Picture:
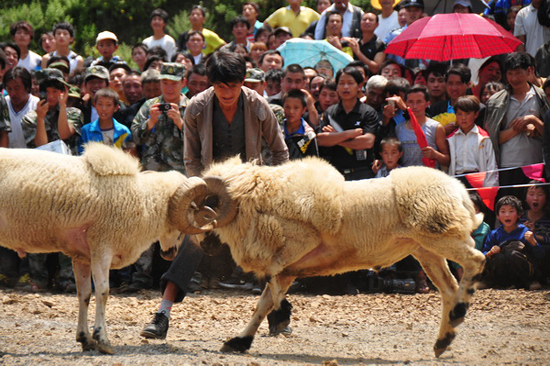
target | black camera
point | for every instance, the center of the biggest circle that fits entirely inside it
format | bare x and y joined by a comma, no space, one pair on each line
42,95
391,285
165,107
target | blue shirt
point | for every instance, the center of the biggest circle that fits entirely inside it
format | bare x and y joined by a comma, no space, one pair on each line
92,132
500,236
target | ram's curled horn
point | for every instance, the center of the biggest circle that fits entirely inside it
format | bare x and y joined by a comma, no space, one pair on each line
187,201
226,207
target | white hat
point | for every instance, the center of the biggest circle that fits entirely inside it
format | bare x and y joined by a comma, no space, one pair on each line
106,35
465,3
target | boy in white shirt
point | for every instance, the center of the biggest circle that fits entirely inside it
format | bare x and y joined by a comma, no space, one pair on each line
470,146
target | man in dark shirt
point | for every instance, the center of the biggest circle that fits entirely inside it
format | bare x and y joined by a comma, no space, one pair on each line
348,129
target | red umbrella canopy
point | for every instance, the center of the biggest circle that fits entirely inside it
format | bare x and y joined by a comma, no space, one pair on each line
452,36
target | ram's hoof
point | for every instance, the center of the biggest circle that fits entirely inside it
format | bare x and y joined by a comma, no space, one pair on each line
105,348
89,345
442,344
237,344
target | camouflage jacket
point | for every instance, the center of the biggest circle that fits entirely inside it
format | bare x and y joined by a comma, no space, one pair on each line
74,117
162,147
5,125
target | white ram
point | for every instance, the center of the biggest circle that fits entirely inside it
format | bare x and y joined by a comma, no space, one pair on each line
302,219
99,209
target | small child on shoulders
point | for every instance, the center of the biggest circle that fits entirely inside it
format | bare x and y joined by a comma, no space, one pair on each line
299,135
512,250
391,151
470,146
106,129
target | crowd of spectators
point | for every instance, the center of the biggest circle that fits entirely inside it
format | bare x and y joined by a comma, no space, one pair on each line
358,117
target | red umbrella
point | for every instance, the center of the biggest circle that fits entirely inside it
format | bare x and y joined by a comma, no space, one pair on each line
452,36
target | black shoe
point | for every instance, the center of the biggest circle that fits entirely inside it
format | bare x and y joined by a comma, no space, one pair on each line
157,329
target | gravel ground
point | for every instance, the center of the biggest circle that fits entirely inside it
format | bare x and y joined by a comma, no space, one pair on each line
503,327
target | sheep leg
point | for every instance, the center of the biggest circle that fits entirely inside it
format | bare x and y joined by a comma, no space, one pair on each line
82,275
273,294
100,271
473,262
438,271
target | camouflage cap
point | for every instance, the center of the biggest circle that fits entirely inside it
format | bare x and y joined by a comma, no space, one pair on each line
254,76
97,72
61,66
74,92
172,71
49,76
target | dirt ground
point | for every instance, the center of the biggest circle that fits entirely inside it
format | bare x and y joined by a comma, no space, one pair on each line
503,327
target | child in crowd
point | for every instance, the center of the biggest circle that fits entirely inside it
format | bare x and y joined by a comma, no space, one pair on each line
537,219
105,128
489,89
273,80
107,45
479,235
512,249
159,19
470,146
64,37
299,136
22,33
391,151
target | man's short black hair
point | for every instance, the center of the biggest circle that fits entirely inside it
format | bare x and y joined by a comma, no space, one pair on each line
21,73
192,33
159,13
274,75
151,59
238,20
329,83
65,26
351,71
199,69
294,69
438,69
199,7
360,64
397,86
461,70
225,67
419,89
297,94
517,60
271,52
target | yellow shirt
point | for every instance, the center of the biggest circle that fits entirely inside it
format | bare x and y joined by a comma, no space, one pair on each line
285,17
212,40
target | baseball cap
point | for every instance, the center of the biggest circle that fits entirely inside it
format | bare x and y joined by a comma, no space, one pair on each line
106,35
61,66
282,29
376,4
97,71
409,3
465,3
51,77
172,71
254,76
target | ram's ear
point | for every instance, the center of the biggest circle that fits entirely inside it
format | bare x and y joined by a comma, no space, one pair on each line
187,203
221,200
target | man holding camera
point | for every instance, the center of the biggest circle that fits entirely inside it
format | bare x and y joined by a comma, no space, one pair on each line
158,126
